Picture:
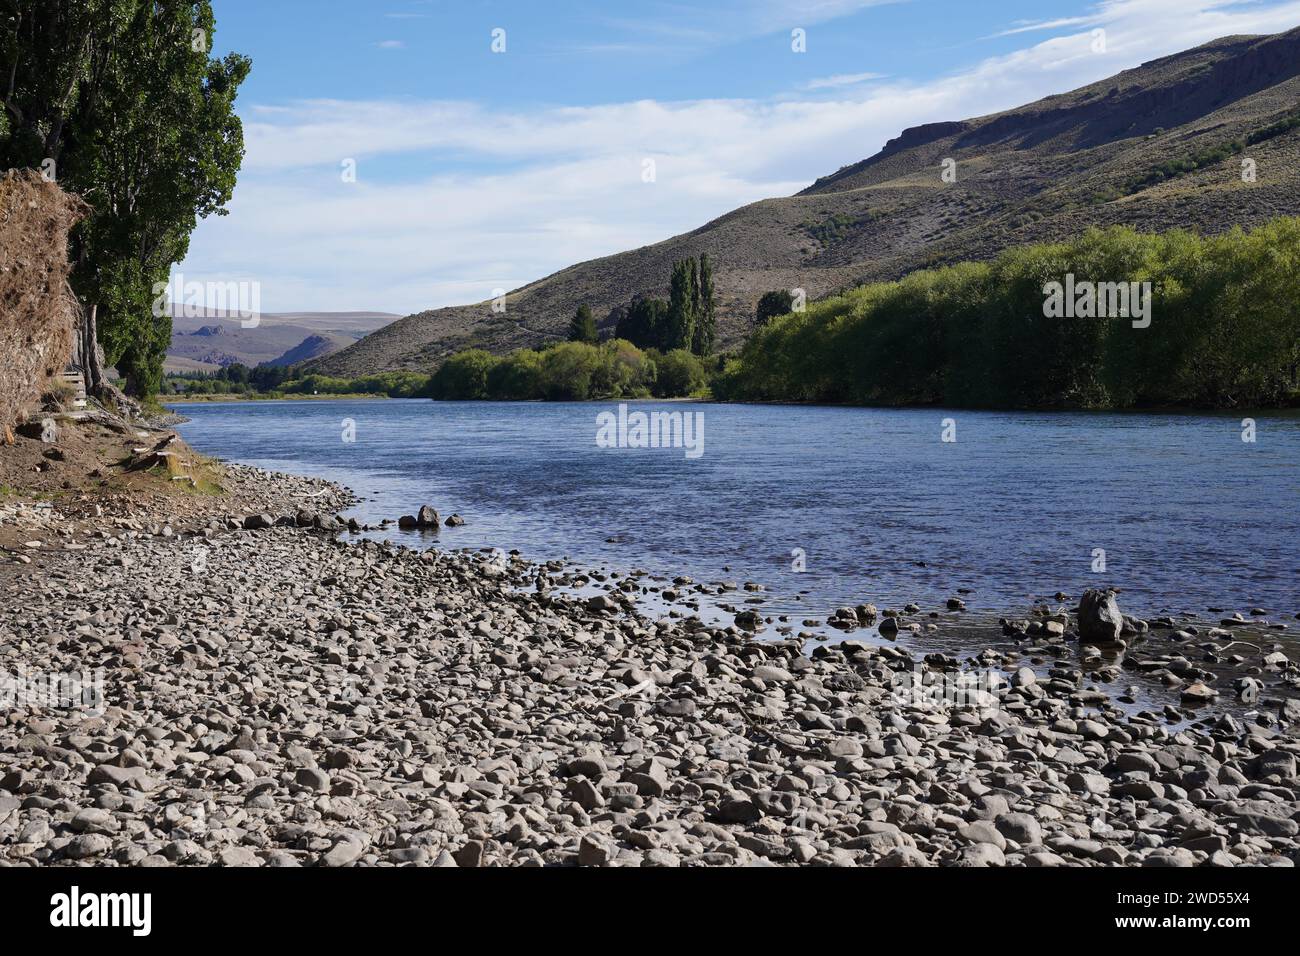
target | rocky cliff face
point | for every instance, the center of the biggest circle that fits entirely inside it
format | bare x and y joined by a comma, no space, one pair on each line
37,311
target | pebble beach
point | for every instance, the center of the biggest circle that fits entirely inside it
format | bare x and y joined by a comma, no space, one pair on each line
273,692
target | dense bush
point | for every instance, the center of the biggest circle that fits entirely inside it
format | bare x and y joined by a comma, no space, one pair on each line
273,381
392,384
1173,168
772,304
679,374
463,376
197,383
1212,155
1284,125
1223,331
516,377
569,371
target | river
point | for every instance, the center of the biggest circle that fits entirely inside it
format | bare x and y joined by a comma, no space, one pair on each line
826,506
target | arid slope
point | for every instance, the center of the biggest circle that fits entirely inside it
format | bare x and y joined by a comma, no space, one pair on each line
1044,171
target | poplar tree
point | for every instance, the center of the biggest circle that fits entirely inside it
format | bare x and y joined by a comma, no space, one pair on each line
705,327
120,102
682,297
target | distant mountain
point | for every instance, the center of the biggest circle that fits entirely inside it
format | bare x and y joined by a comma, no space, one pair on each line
1158,146
313,346
213,340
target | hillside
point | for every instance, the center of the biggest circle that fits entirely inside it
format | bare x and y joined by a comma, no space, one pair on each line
1156,147
313,346
211,341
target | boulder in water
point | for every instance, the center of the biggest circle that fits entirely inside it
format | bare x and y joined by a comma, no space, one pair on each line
1100,620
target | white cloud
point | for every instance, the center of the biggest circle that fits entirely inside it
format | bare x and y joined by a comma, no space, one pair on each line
841,80
1029,27
508,197
390,44
725,21
770,16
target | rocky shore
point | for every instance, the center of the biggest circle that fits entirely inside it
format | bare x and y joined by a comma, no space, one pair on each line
272,695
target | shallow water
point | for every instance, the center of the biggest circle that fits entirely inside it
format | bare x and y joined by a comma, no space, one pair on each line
1190,516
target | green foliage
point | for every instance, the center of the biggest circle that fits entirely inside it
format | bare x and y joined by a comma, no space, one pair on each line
1223,331
582,327
275,380
269,377
238,373
517,377
198,383
623,371
680,374
830,230
124,100
644,323
463,376
706,324
1173,168
1284,125
683,295
1211,155
568,371
392,384
772,304
685,321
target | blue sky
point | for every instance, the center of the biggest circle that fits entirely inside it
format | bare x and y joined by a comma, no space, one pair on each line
478,170
582,52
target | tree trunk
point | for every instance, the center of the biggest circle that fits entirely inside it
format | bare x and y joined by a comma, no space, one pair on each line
91,357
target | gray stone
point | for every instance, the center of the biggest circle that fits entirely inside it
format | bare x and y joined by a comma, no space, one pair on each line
1021,827
1100,619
